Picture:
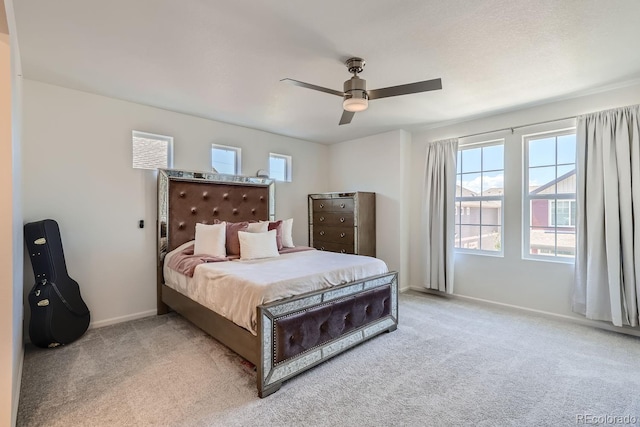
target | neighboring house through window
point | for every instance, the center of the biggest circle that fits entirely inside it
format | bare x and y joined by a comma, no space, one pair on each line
151,151
562,213
550,199
479,197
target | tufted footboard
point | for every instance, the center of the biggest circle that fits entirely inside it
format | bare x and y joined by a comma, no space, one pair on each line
301,332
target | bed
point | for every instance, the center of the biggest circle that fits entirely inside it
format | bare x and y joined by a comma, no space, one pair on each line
292,333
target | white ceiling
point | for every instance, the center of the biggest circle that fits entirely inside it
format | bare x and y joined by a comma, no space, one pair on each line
223,59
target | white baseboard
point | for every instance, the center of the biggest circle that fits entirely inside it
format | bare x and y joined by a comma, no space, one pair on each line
115,320
557,316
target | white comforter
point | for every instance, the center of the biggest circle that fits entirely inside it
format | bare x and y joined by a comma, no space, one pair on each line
235,288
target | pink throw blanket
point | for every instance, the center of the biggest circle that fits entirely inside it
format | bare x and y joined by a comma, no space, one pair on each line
185,262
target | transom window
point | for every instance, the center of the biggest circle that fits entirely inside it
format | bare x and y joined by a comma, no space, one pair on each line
225,159
151,151
550,195
279,167
480,197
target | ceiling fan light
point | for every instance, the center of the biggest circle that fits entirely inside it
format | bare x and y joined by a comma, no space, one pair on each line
355,104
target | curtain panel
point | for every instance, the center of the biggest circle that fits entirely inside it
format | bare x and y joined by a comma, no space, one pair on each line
607,265
437,214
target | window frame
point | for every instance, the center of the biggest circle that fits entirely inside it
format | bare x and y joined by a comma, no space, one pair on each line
287,167
238,158
527,198
157,137
480,199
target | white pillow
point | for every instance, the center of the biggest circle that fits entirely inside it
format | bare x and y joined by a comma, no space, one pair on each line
258,227
287,230
211,239
258,245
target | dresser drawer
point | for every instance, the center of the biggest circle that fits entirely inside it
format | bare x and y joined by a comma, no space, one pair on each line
334,247
344,219
343,222
325,233
342,204
322,205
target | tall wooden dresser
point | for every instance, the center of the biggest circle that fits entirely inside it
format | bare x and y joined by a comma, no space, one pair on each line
343,222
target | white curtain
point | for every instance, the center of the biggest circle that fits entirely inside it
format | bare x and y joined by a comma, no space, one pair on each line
437,214
607,281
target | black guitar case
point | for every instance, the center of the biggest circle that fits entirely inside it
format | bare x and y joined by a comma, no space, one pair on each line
58,313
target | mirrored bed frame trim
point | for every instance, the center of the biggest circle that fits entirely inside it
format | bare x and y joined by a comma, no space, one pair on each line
188,197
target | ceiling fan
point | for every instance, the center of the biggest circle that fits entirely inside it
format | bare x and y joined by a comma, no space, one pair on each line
356,96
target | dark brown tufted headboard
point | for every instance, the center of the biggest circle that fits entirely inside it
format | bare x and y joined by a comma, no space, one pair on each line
186,198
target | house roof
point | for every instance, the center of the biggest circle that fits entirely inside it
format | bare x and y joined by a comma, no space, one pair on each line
464,192
552,184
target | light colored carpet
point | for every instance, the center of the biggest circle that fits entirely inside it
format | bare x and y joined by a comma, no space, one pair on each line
449,363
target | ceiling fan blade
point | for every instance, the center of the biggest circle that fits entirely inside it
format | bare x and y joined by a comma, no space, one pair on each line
346,117
314,87
416,87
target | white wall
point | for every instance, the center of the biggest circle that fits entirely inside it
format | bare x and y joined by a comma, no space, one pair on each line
77,170
11,310
544,286
6,235
379,163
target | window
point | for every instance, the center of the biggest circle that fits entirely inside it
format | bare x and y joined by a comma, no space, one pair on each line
480,197
152,151
279,167
562,213
225,159
550,195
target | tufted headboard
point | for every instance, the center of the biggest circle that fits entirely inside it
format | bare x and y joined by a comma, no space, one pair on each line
186,198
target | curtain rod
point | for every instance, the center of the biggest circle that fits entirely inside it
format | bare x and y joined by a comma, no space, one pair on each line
517,127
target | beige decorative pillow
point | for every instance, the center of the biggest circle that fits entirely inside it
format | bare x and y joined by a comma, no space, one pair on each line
258,245
287,230
258,227
210,240
276,225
